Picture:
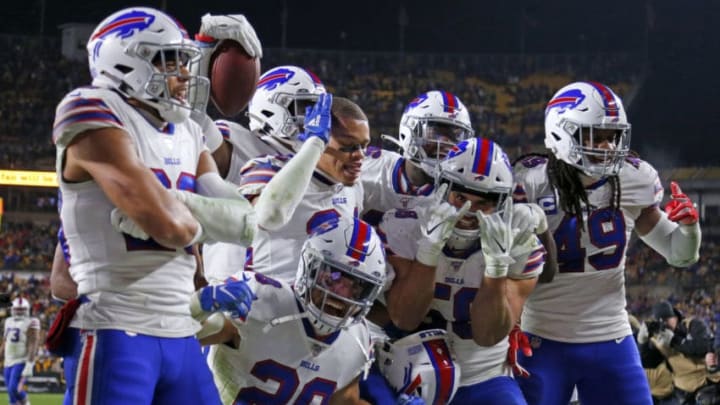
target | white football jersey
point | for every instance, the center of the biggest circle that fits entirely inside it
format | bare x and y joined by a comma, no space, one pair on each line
15,335
221,260
585,302
387,185
286,363
457,280
131,284
276,253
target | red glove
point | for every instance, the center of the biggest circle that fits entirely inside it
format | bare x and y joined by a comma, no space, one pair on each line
518,340
680,209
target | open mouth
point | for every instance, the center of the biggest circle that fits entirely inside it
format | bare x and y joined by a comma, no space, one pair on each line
334,307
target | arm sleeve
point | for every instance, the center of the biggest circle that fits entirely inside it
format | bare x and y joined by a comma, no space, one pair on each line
281,196
678,244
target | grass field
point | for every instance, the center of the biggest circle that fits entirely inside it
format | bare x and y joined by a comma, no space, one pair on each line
36,399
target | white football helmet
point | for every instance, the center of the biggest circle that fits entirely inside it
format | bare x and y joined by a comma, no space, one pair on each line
476,166
421,364
572,118
430,125
125,48
20,307
278,106
341,273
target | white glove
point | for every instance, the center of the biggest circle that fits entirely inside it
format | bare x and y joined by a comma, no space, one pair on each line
529,218
235,27
643,334
123,223
663,338
222,219
438,222
496,237
29,369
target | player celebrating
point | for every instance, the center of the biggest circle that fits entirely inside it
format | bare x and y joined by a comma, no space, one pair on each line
293,195
20,341
464,262
276,120
307,343
594,194
431,124
129,159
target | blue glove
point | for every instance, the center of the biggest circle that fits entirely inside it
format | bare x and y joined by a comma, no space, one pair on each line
405,399
234,296
318,119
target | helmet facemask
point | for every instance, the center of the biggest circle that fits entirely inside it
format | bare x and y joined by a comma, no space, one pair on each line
596,161
335,294
466,233
432,139
166,62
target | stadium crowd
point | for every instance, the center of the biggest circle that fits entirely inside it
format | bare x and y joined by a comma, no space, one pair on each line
504,93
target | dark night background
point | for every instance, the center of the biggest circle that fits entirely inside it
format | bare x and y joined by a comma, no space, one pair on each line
680,39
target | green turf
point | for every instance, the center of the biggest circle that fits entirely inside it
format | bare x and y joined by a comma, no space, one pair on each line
36,399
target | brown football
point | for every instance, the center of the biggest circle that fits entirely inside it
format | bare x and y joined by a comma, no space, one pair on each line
233,77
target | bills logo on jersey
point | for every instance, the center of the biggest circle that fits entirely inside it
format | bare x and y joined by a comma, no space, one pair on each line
274,78
126,25
566,101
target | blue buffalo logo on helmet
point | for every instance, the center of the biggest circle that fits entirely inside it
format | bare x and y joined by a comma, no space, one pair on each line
566,101
126,25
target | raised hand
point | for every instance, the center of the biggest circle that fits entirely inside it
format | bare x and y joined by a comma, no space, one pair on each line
123,223
318,119
680,208
518,340
496,236
437,223
232,26
234,296
528,220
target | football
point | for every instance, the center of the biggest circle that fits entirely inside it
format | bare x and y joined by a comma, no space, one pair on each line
233,77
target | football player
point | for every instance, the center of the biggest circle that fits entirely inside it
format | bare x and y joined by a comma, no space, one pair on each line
467,262
294,194
138,190
21,335
276,114
305,343
594,193
431,124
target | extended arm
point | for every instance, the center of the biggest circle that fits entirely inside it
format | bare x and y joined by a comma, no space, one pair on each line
282,195
676,234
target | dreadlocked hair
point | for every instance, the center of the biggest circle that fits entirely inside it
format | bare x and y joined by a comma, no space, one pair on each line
566,180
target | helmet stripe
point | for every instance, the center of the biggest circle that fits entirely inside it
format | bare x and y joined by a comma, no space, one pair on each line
314,77
611,105
483,156
439,352
359,242
449,102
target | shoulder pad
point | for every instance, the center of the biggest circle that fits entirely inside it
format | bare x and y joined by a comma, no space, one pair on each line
85,109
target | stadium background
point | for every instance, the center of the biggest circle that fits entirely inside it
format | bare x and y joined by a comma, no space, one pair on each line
503,59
